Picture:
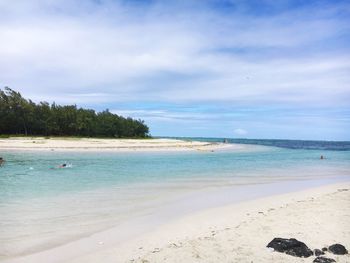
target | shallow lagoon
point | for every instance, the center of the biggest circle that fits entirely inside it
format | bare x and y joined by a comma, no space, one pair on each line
41,207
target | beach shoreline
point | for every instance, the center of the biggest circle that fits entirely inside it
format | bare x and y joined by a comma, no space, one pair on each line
113,145
247,226
206,236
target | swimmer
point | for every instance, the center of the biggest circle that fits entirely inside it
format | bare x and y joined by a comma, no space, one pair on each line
2,161
321,157
63,166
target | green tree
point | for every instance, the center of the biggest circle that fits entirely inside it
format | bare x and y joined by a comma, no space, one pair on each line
21,116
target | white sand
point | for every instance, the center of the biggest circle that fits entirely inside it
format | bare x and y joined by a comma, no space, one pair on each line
236,233
93,144
240,233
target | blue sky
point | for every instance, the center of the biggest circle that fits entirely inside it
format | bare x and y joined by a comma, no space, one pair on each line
246,69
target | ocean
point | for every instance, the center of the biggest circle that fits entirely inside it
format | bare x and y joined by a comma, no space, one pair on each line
42,207
289,144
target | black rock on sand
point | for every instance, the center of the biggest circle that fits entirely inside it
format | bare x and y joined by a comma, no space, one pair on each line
318,252
323,260
338,249
291,247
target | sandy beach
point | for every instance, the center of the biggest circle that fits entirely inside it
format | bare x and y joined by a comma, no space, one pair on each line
121,145
319,217
239,233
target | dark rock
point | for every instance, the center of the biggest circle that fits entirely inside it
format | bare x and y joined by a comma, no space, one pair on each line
323,260
338,249
343,190
324,249
291,247
318,252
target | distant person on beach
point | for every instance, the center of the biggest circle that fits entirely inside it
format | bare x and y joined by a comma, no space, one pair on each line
2,161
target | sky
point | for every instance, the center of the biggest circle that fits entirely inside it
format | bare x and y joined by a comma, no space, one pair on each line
204,68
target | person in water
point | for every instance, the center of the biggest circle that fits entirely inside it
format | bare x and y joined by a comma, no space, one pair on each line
2,161
321,157
63,165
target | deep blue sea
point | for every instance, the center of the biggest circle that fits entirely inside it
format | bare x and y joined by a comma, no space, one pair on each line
289,144
41,207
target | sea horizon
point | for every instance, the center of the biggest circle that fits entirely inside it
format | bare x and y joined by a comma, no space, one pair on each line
283,143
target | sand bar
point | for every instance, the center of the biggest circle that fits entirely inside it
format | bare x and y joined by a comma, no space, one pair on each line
122,145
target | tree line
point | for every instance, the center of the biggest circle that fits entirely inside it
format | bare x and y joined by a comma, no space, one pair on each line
24,117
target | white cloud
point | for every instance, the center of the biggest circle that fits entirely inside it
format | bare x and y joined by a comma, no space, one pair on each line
97,53
60,48
240,131
166,115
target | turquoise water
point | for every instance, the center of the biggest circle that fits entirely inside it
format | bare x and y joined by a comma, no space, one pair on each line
42,207
30,174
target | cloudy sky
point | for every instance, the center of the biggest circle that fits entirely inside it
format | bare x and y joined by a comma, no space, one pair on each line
229,68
